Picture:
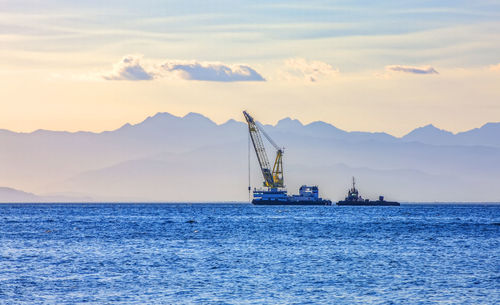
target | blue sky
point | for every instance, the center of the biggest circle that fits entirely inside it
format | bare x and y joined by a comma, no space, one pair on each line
455,32
349,45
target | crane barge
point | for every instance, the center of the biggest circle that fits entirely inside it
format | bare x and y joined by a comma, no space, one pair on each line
274,192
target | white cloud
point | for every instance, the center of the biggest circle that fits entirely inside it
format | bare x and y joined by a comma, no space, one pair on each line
210,71
300,68
495,67
129,68
412,69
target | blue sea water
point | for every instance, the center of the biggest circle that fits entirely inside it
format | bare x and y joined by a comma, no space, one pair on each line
234,254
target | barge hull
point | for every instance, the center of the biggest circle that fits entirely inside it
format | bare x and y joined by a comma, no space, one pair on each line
304,202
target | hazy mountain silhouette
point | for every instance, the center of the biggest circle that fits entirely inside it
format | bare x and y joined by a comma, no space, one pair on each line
170,158
8,194
431,135
12,195
487,135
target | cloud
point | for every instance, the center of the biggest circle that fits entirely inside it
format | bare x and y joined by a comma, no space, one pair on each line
300,68
129,68
495,67
411,69
210,71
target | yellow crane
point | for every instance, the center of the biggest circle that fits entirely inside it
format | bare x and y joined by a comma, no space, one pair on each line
272,178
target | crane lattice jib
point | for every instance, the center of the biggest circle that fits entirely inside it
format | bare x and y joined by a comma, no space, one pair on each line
272,178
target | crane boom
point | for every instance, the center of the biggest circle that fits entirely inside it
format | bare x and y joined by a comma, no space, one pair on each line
272,178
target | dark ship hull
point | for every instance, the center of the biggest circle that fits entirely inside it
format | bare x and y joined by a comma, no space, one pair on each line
290,202
370,203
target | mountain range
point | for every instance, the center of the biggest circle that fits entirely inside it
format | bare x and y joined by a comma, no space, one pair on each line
191,158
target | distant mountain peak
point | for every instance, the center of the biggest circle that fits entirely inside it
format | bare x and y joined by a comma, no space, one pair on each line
289,123
163,115
491,125
428,129
197,117
194,115
231,122
320,123
430,134
124,127
158,117
323,125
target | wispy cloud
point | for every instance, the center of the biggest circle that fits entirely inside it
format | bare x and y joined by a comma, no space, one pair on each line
412,69
131,68
210,71
495,67
300,68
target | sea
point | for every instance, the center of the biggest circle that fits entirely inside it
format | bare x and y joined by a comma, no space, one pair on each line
244,254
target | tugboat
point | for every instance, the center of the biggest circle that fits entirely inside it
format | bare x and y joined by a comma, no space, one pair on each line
354,199
274,192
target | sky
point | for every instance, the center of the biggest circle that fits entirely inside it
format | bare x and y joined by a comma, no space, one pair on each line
386,66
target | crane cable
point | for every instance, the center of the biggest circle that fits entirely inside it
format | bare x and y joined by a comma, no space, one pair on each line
267,136
249,155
